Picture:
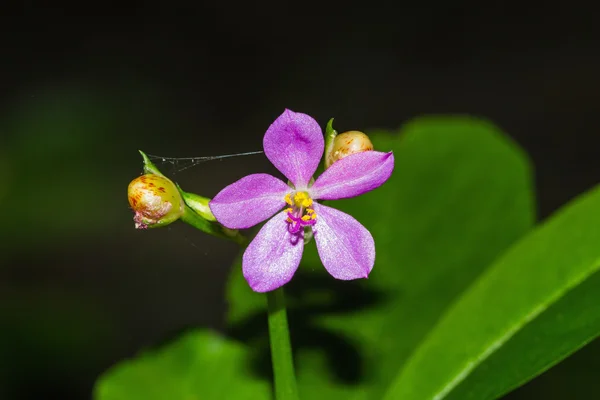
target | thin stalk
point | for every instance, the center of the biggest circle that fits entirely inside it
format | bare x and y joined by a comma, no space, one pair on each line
281,349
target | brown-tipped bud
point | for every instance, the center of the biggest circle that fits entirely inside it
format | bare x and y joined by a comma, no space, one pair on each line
155,201
348,143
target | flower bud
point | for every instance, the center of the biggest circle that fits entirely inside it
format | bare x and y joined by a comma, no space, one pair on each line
155,201
345,144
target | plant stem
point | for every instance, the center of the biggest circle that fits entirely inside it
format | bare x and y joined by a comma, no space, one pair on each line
281,349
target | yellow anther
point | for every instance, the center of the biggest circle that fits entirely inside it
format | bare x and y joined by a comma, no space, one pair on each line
288,199
306,218
313,216
299,197
302,199
310,211
289,210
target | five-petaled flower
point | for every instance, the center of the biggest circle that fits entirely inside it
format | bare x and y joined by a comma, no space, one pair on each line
294,144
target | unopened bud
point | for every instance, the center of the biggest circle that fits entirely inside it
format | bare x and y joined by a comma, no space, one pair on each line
155,201
347,143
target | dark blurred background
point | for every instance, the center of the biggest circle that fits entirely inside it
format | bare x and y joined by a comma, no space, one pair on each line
81,289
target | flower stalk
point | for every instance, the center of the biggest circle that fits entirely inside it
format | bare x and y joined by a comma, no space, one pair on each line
281,348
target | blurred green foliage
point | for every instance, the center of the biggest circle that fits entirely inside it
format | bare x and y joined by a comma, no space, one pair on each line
200,365
533,307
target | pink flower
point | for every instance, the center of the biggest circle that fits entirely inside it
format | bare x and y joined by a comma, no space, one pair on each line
294,144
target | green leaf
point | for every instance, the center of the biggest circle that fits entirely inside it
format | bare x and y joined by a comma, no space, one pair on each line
199,365
533,307
459,196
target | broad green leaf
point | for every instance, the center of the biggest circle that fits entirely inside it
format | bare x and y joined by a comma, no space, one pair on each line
459,196
198,365
536,305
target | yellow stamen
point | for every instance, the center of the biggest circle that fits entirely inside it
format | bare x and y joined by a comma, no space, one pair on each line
300,204
302,199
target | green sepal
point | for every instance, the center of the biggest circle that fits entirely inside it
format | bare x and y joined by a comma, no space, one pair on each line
149,167
212,228
329,131
197,213
330,135
197,203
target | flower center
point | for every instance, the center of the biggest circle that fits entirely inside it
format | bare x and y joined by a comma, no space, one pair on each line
300,213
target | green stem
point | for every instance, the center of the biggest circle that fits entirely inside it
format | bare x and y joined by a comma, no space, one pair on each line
281,349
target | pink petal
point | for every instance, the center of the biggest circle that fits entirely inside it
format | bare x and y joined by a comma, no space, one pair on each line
249,201
353,175
273,256
346,248
294,144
